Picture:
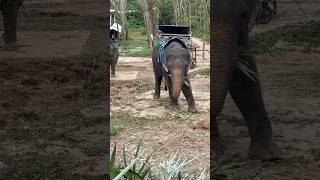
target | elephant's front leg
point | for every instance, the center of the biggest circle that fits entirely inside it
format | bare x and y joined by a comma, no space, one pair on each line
10,13
247,95
158,79
187,92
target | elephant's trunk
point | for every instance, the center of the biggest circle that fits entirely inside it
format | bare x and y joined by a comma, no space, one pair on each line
177,82
223,59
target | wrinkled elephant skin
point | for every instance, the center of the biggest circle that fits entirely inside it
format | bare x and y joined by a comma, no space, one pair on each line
232,21
9,10
114,52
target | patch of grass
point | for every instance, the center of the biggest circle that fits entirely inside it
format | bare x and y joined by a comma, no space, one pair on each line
137,34
136,48
143,52
304,35
197,28
201,35
134,43
114,130
183,116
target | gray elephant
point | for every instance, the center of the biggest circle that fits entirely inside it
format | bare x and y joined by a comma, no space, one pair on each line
114,51
232,22
174,68
9,10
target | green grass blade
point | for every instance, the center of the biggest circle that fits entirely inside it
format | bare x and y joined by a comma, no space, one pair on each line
124,155
131,174
147,160
145,173
123,172
113,155
136,154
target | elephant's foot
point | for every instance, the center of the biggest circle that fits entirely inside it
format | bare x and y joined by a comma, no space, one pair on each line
174,105
192,109
217,148
265,151
156,96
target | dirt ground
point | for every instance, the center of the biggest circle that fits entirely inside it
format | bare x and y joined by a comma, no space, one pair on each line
53,94
290,78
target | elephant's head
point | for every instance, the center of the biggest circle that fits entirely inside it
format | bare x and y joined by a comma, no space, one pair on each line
178,61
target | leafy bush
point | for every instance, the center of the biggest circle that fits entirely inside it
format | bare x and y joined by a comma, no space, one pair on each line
138,168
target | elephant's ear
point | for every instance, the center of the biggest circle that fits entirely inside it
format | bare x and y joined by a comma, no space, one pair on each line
256,7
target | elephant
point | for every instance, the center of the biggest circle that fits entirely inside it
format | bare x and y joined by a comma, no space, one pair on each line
232,22
114,52
9,10
174,69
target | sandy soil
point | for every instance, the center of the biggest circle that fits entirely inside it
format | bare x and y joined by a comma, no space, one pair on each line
290,82
52,100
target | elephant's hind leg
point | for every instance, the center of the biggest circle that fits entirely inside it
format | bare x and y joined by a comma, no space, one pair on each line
10,13
158,79
113,70
247,95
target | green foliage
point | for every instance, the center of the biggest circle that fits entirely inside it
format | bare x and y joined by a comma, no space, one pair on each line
114,130
136,48
135,19
166,16
197,27
129,168
200,34
143,52
138,168
183,116
134,43
173,168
